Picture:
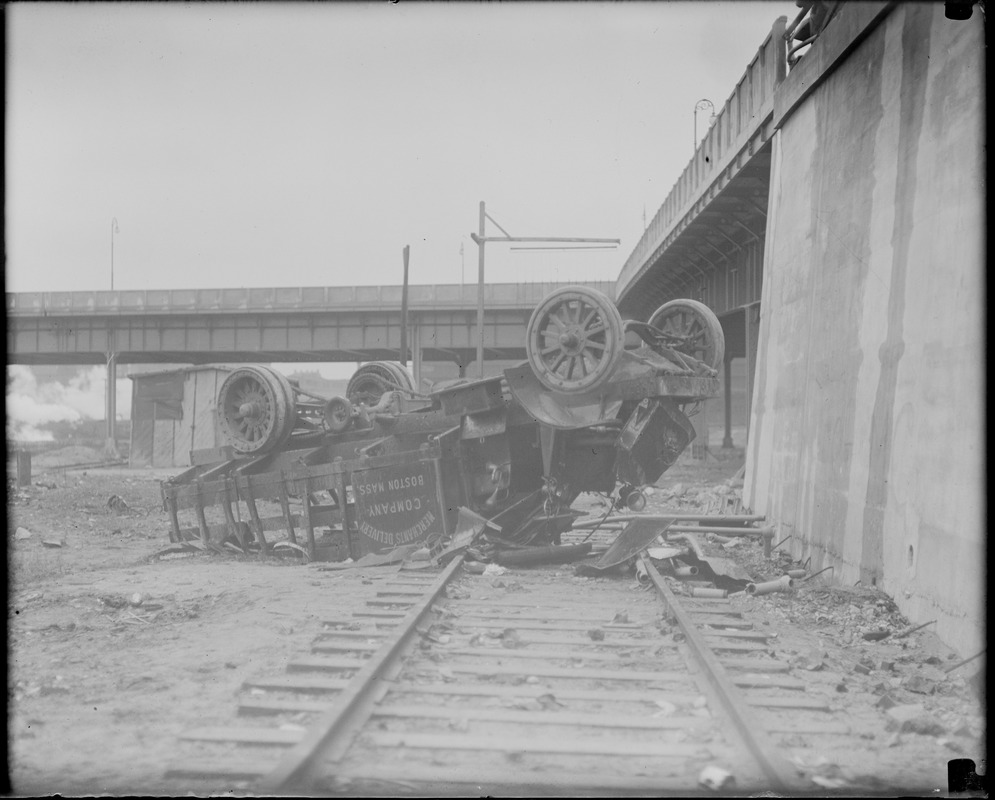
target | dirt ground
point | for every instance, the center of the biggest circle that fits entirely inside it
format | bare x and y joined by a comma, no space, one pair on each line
113,651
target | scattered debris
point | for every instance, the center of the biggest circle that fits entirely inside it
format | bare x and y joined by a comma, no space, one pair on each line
919,684
494,569
913,718
53,542
23,533
716,778
782,584
117,504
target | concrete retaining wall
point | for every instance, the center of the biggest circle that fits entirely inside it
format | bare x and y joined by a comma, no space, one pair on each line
867,432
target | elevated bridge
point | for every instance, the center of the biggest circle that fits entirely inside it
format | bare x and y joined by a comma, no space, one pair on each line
706,242
318,324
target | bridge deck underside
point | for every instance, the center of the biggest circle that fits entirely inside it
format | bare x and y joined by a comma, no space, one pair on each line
715,255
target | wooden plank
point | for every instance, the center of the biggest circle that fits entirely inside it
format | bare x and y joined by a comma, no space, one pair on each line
295,683
716,611
757,636
339,647
543,744
505,653
754,665
563,672
271,736
552,616
381,614
264,705
368,633
325,663
525,691
732,624
285,506
591,721
820,727
552,625
789,702
389,603
757,680
308,525
371,625
269,524
729,645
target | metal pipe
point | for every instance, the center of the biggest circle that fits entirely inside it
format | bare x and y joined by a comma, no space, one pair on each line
641,574
693,543
677,517
782,584
697,592
480,292
965,661
724,531
910,631
795,573
817,573
685,572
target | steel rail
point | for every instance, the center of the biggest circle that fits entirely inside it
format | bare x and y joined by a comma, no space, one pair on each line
349,707
756,740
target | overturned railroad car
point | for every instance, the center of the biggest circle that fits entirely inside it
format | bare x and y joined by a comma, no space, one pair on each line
600,405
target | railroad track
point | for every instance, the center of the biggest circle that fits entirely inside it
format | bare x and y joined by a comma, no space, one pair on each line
454,683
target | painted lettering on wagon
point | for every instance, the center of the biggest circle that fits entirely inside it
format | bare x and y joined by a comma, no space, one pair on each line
397,504
390,485
400,537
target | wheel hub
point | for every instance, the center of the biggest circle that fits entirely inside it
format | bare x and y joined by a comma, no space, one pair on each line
250,410
570,341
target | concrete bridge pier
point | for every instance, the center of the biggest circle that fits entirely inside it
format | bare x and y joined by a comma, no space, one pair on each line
110,407
727,391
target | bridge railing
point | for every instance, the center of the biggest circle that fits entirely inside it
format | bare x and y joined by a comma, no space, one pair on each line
307,298
749,106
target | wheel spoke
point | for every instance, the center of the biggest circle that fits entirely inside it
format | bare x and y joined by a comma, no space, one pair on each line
549,350
561,323
594,345
599,329
558,361
587,320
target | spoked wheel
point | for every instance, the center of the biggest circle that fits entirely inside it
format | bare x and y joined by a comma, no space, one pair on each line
256,409
574,339
370,381
695,326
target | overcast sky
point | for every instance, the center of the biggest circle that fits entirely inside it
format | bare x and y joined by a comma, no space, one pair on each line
306,144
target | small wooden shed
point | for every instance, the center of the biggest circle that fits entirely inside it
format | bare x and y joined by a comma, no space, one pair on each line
173,412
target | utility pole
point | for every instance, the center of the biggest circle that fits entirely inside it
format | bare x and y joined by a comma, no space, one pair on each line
404,310
481,239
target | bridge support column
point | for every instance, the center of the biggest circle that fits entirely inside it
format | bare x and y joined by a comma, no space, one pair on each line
110,407
752,332
727,381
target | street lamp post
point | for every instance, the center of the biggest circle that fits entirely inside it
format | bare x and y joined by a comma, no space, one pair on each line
701,105
481,240
114,229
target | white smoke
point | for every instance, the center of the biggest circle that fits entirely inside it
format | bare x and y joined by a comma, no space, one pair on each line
31,406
